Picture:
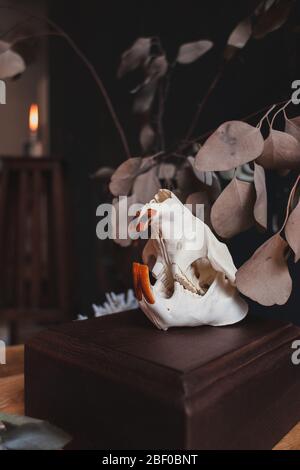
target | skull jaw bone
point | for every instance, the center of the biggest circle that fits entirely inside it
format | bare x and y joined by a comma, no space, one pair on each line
193,286
221,305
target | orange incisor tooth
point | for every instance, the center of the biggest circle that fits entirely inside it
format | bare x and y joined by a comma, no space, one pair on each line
144,282
136,281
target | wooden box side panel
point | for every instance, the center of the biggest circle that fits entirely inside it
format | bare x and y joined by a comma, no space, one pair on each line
109,394
251,409
99,412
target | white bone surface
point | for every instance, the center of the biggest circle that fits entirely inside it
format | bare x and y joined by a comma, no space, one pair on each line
194,271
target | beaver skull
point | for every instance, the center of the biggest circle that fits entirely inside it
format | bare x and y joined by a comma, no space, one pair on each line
194,271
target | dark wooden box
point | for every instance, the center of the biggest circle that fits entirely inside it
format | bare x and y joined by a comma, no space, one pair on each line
119,383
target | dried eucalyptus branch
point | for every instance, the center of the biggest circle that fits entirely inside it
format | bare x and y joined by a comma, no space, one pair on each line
185,145
15,26
203,102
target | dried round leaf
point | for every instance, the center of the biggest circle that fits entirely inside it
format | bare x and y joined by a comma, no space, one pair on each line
135,56
292,231
292,127
103,172
122,179
265,277
268,4
166,171
261,203
147,164
200,198
147,137
209,179
146,186
272,18
281,152
192,51
11,64
232,212
4,46
231,145
144,98
158,67
241,34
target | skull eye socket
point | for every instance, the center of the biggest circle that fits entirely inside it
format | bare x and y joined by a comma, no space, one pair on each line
204,273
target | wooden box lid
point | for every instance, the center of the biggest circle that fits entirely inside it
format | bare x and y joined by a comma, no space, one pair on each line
118,382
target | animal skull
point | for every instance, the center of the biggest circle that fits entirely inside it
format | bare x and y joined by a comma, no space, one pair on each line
194,272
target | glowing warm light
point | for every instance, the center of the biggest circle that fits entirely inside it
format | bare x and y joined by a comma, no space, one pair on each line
33,118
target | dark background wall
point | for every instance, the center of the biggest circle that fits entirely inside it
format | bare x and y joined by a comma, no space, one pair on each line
83,132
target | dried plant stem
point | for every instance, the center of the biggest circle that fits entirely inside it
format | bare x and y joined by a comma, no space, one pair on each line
102,88
266,116
160,115
163,94
38,35
290,200
185,145
245,118
88,65
202,104
282,109
163,90
15,26
255,113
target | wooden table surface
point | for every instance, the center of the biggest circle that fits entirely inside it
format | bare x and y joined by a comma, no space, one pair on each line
12,381
12,394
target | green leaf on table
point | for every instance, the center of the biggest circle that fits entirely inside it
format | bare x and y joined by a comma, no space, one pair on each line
23,433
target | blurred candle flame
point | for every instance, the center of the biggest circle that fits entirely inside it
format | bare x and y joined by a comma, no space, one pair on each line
34,118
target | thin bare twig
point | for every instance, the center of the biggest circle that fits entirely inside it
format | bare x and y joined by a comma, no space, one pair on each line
15,26
245,118
185,145
290,199
203,102
162,95
37,35
160,114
